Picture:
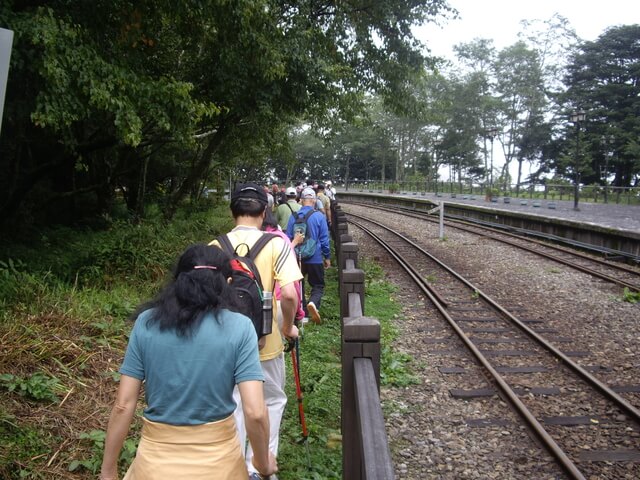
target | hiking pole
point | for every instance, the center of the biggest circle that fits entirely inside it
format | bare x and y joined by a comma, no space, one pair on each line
302,299
295,352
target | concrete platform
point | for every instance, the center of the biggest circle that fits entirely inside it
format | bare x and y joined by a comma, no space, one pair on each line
611,215
612,226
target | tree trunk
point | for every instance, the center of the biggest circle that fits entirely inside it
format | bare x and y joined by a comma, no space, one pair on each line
195,175
142,187
520,160
346,172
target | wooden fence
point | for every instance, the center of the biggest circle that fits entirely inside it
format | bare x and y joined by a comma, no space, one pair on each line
365,449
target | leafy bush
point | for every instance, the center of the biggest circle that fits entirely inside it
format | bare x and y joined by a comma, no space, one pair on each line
20,444
37,387
395,369
97,438
11,280
141,252
491,192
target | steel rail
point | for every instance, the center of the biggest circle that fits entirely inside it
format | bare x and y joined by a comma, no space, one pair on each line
521,233
546,439
586,376
531,233
595,273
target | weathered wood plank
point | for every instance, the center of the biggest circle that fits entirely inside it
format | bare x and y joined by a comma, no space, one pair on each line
376,455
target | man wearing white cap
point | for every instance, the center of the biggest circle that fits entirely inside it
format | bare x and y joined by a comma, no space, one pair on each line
284,211
313,266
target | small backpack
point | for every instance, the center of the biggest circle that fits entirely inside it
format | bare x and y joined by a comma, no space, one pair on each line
246,282
307,248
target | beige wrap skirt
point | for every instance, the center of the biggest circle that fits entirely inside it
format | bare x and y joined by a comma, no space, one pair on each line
170,452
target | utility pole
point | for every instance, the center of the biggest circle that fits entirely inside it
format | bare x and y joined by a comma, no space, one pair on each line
577,117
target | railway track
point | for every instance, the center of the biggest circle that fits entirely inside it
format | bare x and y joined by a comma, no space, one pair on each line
585,424
617,273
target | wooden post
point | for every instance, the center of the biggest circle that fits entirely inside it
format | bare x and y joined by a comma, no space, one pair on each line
339,229
360,340
344,239
335,211
341,223
352,279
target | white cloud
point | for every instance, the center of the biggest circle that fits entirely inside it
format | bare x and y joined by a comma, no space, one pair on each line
500,20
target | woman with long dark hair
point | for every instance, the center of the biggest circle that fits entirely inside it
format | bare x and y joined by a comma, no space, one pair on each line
191,350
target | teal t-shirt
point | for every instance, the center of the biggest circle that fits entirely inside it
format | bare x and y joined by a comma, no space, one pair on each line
190,381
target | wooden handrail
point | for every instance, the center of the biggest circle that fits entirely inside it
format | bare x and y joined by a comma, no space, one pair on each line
375,454
365,449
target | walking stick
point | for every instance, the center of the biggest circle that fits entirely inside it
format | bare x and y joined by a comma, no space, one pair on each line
295,352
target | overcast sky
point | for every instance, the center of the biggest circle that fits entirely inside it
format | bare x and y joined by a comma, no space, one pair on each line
500,20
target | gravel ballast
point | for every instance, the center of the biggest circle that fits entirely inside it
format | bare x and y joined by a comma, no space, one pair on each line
430,433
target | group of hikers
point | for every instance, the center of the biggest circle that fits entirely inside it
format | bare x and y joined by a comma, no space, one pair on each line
214,377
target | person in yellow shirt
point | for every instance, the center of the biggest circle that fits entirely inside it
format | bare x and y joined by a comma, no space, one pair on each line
275,263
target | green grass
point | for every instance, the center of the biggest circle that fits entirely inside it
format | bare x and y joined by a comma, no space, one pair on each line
321,379
630,296
21,444
395,367
320,376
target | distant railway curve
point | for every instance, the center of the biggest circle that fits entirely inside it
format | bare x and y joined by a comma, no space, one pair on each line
618,273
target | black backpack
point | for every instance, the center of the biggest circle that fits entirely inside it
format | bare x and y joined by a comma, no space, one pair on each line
307,248
246,283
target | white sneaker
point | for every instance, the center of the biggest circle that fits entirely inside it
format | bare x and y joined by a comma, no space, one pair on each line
312,310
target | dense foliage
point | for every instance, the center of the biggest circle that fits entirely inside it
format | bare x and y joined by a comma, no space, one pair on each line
604,80
159,97
154,101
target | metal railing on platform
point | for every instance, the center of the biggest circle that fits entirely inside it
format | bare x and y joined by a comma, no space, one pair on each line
365,448
546,191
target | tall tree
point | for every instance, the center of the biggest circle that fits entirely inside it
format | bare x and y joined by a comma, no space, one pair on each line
604,80
477,59
151,94
520,88
462,128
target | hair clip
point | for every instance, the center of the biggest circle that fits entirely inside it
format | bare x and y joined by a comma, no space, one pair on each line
208,267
